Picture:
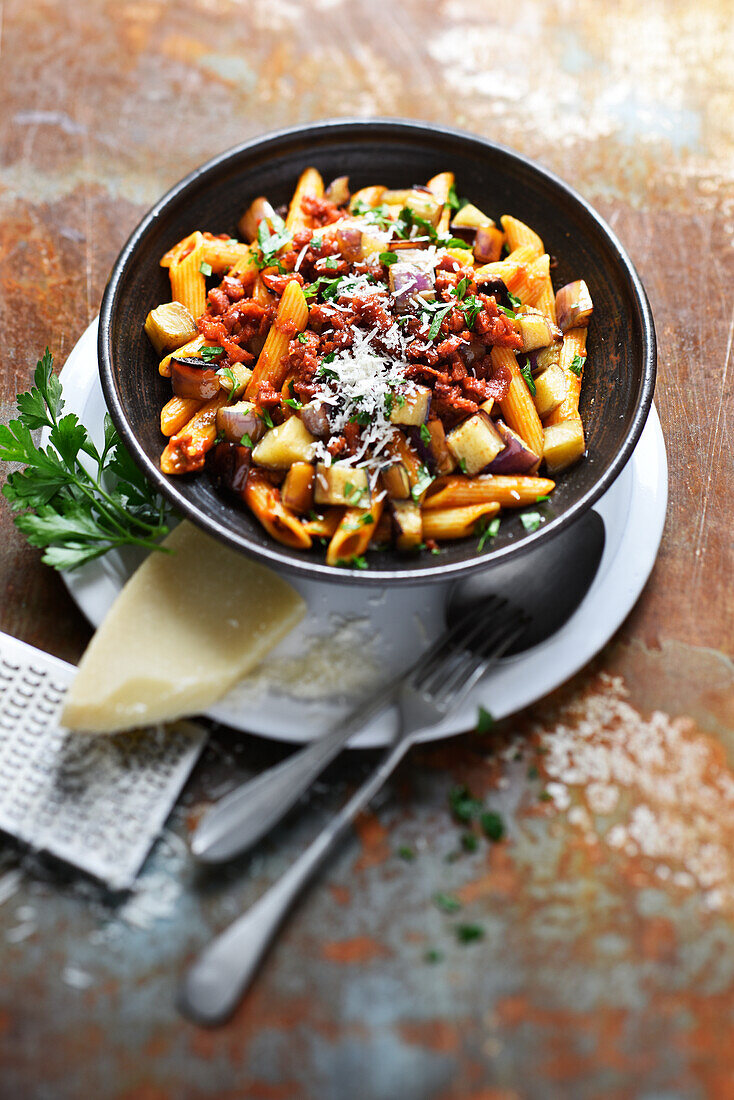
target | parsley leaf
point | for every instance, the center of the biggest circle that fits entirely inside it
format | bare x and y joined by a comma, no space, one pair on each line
302,338
266,418
209,352
271,241
294,403
388,258
425,434
437,319
246,441
528,376
469,933
485,721
447,903
205,268
229,374
73,508
464,806
355,562
531,521
492,824
576,365
515,302
486,530
425,479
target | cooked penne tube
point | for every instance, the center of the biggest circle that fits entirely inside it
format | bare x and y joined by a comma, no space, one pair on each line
188,284
177,412
572,361
440,187
520,235
507,491
225,255
367,196
310,183
353,535
324,525
546,299
263,499
518,407
181,249
455,523
291,318
187,449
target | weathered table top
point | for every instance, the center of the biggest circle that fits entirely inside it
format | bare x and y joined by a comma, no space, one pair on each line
607,963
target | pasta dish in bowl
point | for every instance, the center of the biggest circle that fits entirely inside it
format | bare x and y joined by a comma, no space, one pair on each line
374,372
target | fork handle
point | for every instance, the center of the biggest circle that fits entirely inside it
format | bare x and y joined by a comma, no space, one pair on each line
245,815
223,971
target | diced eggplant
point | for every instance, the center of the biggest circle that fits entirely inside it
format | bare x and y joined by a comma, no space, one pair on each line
515,457
407,524
469,217
338,191
543,358
296,492
169,327
396,481
535,331
239,420
423,203
574,306
315,419
248,224
488,242
229,466
492,284
349,239
550,390
191,379
285,444
408,281
564,444
411,408
475,443
242,376
341,485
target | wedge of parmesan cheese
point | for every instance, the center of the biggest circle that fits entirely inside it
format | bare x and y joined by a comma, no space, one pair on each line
184,629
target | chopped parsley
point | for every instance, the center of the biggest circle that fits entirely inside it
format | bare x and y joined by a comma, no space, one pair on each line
462,465
486,530
469,933
453,201
302,338
492,824
328,288
437,319
373,215
246,441
406,853
424,480
331,263
545,796
531,521
528,376
362,417
425,434
271,241
507,312
469,842
515,302
209,352
205,268
576,365
433,955
485,721
388,258
447,903
294,403
540,499
228,373
266,418
356,562
464,806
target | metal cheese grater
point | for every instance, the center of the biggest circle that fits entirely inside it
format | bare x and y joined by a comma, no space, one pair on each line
97,802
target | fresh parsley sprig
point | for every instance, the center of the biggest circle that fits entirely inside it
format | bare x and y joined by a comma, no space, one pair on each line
75,510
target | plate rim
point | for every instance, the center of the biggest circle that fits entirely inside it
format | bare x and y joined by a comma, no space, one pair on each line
374,576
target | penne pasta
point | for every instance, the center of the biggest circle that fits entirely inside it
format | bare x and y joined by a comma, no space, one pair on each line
520,235
572,361
290,319
518,407
440,187
508,492
354,533
222,256
177,412
309,184
367,196
187,449
188,284
263,499
324,526
455,523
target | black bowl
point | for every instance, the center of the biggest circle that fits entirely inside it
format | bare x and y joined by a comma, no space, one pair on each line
618,381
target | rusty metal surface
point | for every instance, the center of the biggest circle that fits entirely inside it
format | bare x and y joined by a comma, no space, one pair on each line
606,968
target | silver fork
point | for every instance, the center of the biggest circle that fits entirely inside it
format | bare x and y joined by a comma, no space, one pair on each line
440,681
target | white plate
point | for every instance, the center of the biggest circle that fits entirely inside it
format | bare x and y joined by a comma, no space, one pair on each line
354,638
